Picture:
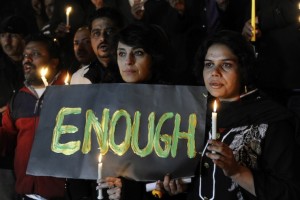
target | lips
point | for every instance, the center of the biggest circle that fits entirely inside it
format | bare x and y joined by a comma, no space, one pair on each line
27,67
103,47
215,84
128,71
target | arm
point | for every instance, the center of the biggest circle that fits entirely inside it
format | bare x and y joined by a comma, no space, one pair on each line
224,158
8,134
278,175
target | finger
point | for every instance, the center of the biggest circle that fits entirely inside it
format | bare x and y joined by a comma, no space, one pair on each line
166,183
114,193
173,188
102,186
101,181
179,186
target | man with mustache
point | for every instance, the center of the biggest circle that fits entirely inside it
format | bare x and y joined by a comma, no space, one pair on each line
105,23
84,54
21,118
12,32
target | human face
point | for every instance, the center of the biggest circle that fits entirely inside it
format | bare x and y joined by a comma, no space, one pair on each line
49,8
12,45
134,64
102,29
82,47
37,6
35,57
221,73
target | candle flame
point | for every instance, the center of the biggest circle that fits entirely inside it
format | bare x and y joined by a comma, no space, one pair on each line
67,79
299,6
44,71
215,106
100,158
68,10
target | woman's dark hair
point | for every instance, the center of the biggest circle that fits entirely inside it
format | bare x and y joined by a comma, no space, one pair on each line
239,46
153,40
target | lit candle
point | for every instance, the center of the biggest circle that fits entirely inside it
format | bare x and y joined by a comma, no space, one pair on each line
44,71
214,122
299,6
253,21
68,11
67,79
100,196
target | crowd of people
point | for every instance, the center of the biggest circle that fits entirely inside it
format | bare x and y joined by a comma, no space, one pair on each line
174,42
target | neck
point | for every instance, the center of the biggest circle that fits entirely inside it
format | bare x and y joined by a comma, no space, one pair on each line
104,61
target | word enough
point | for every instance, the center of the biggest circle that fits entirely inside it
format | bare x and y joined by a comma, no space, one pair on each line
105,133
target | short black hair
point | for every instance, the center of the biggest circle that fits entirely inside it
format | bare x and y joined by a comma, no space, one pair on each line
153,39
52,44
239,46
14,24
110,13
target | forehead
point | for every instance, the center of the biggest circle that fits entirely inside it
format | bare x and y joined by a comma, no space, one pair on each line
124,46
38,46
102,23
48,2
220,51
83,33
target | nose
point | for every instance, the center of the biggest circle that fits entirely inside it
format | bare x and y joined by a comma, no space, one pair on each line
129,59
27,58
216,71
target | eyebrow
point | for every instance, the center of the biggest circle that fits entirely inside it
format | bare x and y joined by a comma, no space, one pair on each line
226,59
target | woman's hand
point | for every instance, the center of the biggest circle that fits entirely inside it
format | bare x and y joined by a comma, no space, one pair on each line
171,186
114,186
62,30
248,30
223,157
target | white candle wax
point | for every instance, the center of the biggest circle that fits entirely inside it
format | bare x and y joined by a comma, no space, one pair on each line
43,74
68,11
67,79
100,196
214,122
44,81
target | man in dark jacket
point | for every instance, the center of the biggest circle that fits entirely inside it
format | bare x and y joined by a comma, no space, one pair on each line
12,32
21,118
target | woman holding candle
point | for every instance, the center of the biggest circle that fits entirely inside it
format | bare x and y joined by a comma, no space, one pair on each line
142,52
255,154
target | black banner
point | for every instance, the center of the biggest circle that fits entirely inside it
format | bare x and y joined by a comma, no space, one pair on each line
142,131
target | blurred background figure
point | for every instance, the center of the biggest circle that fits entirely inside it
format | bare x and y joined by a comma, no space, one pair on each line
278,46
13,29
105,23
84,54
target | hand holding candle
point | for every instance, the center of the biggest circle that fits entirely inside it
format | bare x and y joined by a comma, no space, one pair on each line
68,11
214,122
253,21
43,72
100,196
